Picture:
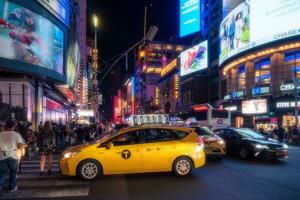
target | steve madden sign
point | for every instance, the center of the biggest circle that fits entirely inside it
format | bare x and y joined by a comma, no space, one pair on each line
286,104
288,87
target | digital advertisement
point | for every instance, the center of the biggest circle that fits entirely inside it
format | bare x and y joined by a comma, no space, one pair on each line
194,59
252,24
29,37
189,17
257,106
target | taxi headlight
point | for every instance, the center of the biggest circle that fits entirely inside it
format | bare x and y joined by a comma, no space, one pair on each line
70,154
285,146
221,142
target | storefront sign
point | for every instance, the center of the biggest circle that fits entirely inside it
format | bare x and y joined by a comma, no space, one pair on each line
257,91
227,97
231,108
288,87
171,66
255,106
235,95
286,104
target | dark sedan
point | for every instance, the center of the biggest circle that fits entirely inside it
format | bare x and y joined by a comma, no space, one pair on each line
249,144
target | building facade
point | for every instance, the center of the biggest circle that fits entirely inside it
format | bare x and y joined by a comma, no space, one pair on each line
150,59
260,86
168,89
37,73
259,67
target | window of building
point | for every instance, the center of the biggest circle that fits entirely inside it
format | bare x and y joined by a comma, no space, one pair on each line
263,71
242,76
292,63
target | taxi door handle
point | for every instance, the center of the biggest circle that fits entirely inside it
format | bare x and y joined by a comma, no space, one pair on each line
149,149
158,148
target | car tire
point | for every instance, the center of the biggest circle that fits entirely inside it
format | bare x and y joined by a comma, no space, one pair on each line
89,170
244,153
182,166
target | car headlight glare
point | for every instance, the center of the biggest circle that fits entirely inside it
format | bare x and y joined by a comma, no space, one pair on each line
259,146
221,142
285,146
70,154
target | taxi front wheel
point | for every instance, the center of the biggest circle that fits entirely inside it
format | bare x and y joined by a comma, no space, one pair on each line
89,170
182,166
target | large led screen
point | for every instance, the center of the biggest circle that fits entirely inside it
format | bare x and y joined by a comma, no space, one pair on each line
194,59
255,23
29,37
189,17
256,106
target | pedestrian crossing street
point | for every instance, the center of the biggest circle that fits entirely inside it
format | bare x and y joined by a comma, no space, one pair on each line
31,186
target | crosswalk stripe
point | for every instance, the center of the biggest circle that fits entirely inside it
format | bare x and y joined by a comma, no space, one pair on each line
37,170
25,165
78,191
36,161
50,182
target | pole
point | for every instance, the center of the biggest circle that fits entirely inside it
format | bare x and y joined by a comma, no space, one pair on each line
96,38
296,81
145,21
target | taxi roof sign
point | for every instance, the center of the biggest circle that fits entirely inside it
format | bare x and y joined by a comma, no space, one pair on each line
149,119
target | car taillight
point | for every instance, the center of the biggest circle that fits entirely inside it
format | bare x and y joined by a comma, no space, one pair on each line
200,141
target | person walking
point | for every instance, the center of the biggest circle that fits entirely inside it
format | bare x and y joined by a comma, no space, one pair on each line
31,142
295,135
280,133
46,144
10,142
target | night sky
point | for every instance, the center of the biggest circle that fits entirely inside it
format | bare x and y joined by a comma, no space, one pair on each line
122,24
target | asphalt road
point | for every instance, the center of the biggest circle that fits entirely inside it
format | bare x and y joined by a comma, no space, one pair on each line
218,180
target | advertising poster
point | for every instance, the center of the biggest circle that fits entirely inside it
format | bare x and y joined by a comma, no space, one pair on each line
235,31
194,59
257,106
254,23
189,17
29,37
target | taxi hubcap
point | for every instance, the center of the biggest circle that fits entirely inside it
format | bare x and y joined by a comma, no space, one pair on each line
183,167
89,170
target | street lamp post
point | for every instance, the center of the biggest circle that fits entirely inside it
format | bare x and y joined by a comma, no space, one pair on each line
95,20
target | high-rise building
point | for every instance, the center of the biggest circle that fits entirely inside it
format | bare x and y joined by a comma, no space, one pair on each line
150,59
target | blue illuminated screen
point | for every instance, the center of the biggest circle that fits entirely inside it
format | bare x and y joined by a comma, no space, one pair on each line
189,17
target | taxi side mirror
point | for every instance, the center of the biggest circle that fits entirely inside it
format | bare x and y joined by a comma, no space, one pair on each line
109,145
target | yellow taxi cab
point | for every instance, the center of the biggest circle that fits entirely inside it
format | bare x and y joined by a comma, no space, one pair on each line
136,150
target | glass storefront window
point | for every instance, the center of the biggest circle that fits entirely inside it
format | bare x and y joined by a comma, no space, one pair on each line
242,76
239,122
262,71
292,63
289,120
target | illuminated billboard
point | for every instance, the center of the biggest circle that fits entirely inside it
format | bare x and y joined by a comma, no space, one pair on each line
255,106
254,23
189,17
29,37
194,59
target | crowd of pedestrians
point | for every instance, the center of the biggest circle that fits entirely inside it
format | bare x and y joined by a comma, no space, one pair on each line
288,134
19,141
